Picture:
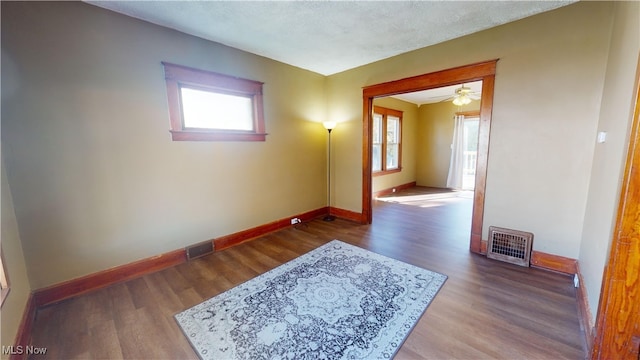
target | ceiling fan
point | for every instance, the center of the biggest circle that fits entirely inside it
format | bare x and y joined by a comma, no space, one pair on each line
463,96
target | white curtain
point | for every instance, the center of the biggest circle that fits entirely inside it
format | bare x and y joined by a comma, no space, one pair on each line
454,179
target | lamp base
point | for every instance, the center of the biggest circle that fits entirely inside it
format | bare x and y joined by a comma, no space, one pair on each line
329,218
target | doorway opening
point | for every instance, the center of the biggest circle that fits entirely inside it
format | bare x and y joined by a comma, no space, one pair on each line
484,72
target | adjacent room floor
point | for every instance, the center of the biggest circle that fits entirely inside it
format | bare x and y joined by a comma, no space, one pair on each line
424,196
486,309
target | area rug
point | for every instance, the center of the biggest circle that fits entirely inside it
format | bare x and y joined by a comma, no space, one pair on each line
338,301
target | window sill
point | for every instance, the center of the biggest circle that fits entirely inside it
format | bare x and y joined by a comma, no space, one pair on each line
386,172
215,136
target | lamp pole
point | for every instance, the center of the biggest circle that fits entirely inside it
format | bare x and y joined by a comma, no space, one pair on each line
329,125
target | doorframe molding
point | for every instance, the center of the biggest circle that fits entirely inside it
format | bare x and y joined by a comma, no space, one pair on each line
616,333
484,71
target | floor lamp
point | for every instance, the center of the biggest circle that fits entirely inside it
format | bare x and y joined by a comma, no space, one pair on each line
329,125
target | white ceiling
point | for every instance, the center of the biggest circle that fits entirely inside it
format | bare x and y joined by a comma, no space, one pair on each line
328,37
444,93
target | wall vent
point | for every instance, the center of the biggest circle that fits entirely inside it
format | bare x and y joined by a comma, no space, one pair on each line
200,249
510,246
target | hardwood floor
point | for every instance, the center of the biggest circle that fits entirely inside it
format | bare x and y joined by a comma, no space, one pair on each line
486,309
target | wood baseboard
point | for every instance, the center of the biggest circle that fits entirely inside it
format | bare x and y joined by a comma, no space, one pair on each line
348,215
546,261
391,190
101,279
584,312
23,335
227,241
483,246
552,262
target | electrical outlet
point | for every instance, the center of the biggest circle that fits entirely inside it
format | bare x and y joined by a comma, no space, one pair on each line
295,221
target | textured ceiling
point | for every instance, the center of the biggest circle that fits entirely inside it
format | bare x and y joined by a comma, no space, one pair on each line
328,37
441,94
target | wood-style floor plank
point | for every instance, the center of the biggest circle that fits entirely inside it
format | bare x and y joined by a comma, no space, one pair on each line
485,310
104,341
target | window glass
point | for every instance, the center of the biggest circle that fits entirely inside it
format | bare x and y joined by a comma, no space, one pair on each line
393,136
210,110
387,140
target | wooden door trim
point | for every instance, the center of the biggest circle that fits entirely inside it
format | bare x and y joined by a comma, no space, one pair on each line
617,334
484,71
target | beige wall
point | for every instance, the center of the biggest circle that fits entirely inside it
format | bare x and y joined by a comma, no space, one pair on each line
608,160
14,305
97,181
547,98
409,131
435,135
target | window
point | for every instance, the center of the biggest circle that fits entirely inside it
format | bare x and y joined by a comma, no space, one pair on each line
387,140
206,106
4,283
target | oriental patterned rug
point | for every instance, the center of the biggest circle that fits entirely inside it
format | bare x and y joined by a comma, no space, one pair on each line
336,302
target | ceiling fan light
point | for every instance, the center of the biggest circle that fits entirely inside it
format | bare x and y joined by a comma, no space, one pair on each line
461,100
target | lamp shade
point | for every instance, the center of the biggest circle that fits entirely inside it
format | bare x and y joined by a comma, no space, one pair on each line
329,125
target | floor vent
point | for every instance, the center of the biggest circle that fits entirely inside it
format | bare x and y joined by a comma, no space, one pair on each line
200,249
510,246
